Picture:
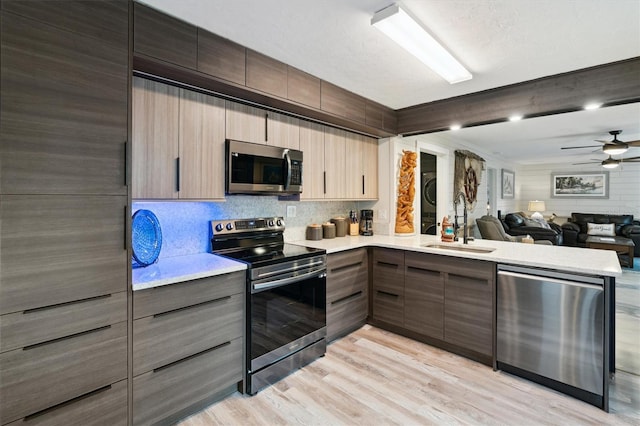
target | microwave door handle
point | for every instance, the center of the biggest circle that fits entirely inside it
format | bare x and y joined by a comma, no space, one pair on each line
288,163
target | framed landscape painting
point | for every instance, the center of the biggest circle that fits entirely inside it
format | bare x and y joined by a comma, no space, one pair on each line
580,185
508,183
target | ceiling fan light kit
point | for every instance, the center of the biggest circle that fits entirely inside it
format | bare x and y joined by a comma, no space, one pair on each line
400,27
614,147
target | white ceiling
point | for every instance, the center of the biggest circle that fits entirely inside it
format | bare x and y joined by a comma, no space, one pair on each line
500,41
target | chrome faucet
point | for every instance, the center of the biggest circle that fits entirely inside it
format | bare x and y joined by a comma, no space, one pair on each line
465,230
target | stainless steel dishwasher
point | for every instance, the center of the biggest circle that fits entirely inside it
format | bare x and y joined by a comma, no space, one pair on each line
552,328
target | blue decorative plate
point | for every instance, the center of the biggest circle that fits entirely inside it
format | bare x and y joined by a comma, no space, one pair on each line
146,238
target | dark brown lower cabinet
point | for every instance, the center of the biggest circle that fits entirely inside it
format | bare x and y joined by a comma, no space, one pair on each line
388,286
187,346
443,299
424,295
347,291
468,306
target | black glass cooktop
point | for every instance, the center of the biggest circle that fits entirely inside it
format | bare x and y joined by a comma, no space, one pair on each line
269,254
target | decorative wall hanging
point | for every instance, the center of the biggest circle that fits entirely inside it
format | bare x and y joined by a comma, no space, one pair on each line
467,176
580,185
406,192
508,183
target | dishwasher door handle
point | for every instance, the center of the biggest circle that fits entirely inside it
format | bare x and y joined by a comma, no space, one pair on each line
551,280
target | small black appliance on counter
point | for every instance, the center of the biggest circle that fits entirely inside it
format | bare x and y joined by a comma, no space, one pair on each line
366,222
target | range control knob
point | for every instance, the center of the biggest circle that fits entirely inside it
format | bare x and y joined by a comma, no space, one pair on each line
279,222
270,222
219,227
229,226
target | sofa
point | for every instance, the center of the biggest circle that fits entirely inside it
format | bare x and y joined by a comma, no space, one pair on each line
518,224
576,230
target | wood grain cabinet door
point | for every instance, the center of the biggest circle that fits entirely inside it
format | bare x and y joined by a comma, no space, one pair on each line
424,295
362,167
283,131
388,286
347,291
335,163
57,249
201,140
313,173
246,123
64,100
154,148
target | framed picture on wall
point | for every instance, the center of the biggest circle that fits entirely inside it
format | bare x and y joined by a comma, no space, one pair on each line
508,183
580,185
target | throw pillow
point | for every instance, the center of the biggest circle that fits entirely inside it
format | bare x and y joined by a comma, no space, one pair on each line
604,229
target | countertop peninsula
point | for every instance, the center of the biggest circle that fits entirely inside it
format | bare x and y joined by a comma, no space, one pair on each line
569,259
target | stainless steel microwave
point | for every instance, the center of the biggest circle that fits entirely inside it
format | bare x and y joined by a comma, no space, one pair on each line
252,168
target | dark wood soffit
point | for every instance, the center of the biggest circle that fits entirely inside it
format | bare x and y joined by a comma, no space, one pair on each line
615,83
152,68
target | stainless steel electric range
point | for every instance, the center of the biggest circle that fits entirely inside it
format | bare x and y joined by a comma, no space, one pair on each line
286,297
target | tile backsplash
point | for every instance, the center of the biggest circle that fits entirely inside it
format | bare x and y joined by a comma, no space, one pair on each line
185,224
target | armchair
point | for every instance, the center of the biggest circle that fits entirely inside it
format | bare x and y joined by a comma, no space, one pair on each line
491,228
516,224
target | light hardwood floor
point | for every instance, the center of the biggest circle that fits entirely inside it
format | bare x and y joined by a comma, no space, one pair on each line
374,377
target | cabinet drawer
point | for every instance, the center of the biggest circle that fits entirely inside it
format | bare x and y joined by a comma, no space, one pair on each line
170,297
388,307
105,406
33,326
170,336
165,391
347,273
388,271
44,375
346,314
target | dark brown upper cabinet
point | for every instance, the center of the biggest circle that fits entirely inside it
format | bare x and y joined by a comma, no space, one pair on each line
266,74
64,102
221,58
164,37
303,88
341,102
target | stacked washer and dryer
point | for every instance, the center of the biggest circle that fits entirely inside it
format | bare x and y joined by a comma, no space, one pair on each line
428,194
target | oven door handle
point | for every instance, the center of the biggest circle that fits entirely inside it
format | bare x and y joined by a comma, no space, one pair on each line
285,281
293,268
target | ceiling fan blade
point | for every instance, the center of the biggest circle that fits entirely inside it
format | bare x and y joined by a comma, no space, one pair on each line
633,143
631,159
576,147
588,162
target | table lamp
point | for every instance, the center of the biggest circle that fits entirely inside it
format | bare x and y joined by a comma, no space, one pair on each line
536,207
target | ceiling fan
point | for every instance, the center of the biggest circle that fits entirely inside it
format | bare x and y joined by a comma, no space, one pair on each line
611,163
614,147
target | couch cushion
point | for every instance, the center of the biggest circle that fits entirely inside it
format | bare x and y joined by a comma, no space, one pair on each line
514,220
620,221
603,229
581,220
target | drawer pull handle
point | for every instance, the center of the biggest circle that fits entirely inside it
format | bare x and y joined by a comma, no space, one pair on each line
191,356
349,297
381,263
386,293
343,267
71,336
62,404
74,302
423,270
208,302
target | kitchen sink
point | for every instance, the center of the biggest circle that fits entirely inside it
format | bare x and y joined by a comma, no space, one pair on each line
460,248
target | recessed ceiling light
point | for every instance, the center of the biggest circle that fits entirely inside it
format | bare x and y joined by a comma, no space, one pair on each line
400,27
592,105
515,118
455,127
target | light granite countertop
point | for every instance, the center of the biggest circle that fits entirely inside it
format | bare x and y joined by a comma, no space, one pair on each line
569,259
172,270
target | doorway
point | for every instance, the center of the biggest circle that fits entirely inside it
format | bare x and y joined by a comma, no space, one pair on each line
428,193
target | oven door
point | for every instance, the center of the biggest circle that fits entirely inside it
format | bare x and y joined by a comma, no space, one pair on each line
287,312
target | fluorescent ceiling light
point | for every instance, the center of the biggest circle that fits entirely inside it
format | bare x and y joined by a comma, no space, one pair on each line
455,127
592,105
515,118
401,28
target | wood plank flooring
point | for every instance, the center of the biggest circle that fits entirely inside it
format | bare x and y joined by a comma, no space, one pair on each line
374,377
